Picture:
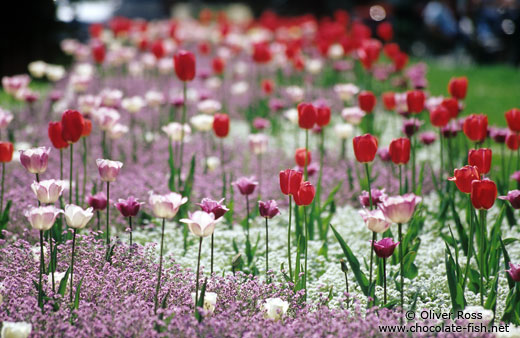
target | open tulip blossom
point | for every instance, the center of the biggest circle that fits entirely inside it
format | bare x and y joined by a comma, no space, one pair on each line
325,181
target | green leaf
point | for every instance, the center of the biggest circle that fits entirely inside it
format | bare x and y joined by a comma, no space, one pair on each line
354,263
507,260
456,294
76,295
63,283
491,300
200,301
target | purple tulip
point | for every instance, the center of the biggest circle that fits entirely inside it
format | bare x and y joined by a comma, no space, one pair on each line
516,176
498,134
514,271
97,201
451,130
384,154
411,126
129,207
513,197
268,209
377,197
213,207
246,185
261,123
35,160
385,247
400,209
428,137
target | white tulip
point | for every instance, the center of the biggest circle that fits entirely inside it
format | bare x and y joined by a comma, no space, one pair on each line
201,223
174,131
210,301
48,191
55,72
209,106
117,131
335,51
37,68
295,93
346,91
275,308
133,104
343,130
202,122
314,66
213,163
16,329
292,115
76,217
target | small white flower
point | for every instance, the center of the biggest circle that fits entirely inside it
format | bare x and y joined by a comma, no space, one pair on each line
209,106
292,115
335,51
314,66
210,301
213,163
37,68
239,88
133,104
202,122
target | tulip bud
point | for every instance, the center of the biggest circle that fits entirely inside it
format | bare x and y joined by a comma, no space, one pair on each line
246,185
452,105
35,160
457,87
483,193
184,63
513,197
367,101
76,217
385,247
305,194
399,150
415,101
514,272
108,170
513,119
218,65
221,125
475,127
300,158
480,158
365,148
72,124
87,128
323,115
290,181
440,116
389,100
55,135
512,141
6,152
306,115
344,267
268,209
97,201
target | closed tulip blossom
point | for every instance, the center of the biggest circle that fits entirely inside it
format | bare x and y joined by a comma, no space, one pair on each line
184,64
457,87
513,119
513,197
365,148
475,127
129,208
384,249
483,193
108,170
165,207
275,308
514,271
480,158
411,126
42,219
16,329
464,176
399,150
375,220
353,115
400,209
6,155
367,101
35,160
97,201
440,116
246,185
48,191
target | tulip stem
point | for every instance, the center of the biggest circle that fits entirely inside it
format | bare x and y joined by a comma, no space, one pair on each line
400,179
483,235
104,144
306,154
183,121
130,222
384,281
198,271
108,216
61,164
52,263
134,141
306,247
470,248
400,228
159,273
70,173
343,148
247,217
98,221
374,237
212,239
413,139
441,144
42,264
289,238
2,193
38,180
85,153
72,263
367,171
266,249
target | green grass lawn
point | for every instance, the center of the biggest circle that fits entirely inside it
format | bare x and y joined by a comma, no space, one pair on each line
492,90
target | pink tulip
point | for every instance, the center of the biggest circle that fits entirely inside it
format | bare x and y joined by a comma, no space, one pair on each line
400,209
35,160
108,170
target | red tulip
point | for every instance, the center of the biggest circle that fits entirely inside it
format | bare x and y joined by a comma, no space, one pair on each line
391,50
399,150
204,48
513,119
440,116
157,49
365,148
323,115
483,193
457,87
54,132
95,30
87,129
184,63
464,176
367,101
480,158
6,152
261,52
290,181
306,115
72,124
415,101
305,194
385,31
452,105
512,141
300,158
218,65
400,60
268,86
389,100
221,125
98,52
475,127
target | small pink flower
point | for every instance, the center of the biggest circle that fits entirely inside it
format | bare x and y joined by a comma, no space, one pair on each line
42,218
